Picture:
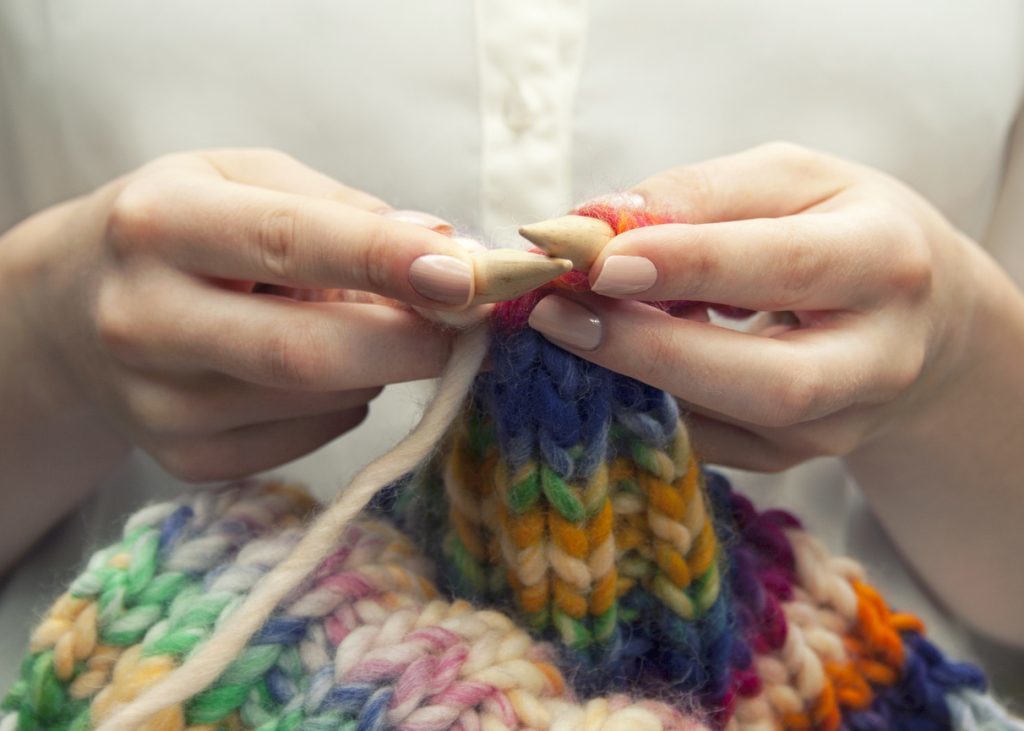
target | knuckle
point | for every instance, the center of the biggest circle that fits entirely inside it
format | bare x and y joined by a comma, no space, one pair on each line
817,441
195,462
698,265
136,214
778,460
114,318
267,154
905,371
912,270
171,160
171,163
802,263
692,190
163,413
784,148
377,257
274,239
296,357
792,153
800,161
656,356
796,399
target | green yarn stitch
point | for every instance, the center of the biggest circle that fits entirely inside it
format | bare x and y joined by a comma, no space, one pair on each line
83,721
41,698
573,632
163,588
561,496
643,455
142,567
480,436
258,707
582,634
604,624
524,494
470,577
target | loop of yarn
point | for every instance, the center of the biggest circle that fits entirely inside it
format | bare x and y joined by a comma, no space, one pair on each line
553,557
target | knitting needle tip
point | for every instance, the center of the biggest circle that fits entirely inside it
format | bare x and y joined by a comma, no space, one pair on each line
504,274
577,238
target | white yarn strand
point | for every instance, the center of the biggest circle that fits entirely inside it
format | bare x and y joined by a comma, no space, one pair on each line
214,656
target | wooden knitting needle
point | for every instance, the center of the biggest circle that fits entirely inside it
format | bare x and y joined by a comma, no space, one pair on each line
504,274
577,238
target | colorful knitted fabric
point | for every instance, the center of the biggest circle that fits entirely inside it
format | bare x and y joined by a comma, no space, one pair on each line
564,562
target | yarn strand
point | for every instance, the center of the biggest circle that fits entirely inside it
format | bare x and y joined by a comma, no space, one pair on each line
210,660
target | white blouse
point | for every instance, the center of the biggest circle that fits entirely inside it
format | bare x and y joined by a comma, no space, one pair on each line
498,113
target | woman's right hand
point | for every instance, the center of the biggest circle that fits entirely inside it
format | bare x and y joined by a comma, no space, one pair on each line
139,303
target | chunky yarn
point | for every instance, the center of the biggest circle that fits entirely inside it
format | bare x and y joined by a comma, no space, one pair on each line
559,559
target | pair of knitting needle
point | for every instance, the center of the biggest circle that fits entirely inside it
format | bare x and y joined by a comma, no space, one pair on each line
570,242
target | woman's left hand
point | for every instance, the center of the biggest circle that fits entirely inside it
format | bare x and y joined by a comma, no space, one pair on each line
879,293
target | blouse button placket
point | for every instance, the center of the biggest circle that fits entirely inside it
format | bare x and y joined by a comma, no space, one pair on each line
530,52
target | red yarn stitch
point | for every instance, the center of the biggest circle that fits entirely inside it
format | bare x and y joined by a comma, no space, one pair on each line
622,219
513,315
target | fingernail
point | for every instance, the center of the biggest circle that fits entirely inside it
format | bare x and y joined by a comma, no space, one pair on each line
566,322
441,278
623,275
419,218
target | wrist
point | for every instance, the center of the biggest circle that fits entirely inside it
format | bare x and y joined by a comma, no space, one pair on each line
41,323
943,479
57,443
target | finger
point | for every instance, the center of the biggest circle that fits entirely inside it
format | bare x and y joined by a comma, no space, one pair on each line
718,443
213,403
799,376
165,321
776,179
239,232
245,451
836,260
275,170
834,435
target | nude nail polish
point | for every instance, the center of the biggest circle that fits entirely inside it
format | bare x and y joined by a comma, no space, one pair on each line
441,278
566,322
625,275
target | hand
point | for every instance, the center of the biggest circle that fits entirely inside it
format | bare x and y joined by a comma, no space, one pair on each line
873,293
148,304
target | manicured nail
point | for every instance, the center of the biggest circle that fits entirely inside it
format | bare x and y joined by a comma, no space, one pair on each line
419,218
566,322
442,278
625,275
